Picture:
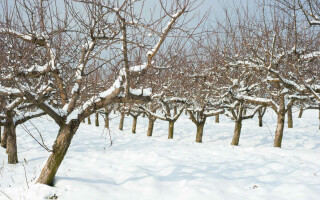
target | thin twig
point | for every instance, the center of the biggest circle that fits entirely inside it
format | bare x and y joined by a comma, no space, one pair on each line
5,194
25,175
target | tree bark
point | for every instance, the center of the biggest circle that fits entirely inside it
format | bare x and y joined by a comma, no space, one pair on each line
60,149
199,135
89,120
11,143
150,127
121,121
260,120
290,122
217,118
4,138
106,121
171,127
300,113
134,125
280,125
236,133
97,119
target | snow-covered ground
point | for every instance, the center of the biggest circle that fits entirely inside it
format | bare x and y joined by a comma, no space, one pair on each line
141,167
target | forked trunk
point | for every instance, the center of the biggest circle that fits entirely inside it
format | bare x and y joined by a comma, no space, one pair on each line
4,138
236,133
150,127
280,126
60,149
97,119
171,127
217,118
200,127
121,121
134,125
290,122
300,113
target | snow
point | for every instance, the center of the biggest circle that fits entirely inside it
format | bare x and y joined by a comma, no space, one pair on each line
141,167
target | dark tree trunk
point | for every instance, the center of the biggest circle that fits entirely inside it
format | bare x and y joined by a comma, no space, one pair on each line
217,118
237,132
4,138
150,127
11,143
97,119
89,120
60,149
261,113
260,121
171,127
134,125
199,135
280,125
290,122
300,113
185,111
121,121
143,115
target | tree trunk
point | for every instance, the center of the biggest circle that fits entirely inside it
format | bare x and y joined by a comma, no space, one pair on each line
260,120
89,120
217,118
237,131
11,143
171,127
290,122
300,113
200,127
4,138
280,126
134,125
186,111
97,119
150,127
143,115
0,134
60,149
106,121
83,121
121,121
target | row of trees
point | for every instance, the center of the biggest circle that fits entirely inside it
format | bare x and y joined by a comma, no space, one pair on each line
83,57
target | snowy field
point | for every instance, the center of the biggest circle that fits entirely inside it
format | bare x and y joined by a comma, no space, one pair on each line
141,167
